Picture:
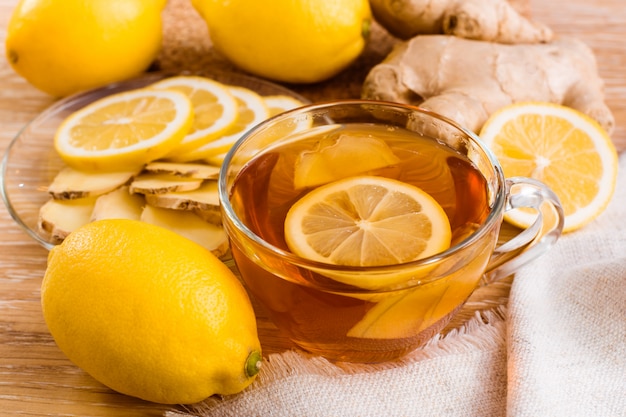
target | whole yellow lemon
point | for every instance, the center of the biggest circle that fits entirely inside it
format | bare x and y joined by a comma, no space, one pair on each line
149,313
296,41
65,46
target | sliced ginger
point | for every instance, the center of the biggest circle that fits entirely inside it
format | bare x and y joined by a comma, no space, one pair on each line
163,183
177,196
203,201
342,157
58,218
118,204
187,169
189,225
70,183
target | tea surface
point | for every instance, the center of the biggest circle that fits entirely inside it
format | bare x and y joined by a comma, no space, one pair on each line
265,189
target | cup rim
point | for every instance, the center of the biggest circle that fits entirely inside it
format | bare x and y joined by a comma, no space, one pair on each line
494,215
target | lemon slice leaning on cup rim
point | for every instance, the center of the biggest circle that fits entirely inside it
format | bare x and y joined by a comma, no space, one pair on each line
367,221
562,147
124,130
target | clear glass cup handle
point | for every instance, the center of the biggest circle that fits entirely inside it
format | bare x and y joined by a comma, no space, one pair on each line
533,241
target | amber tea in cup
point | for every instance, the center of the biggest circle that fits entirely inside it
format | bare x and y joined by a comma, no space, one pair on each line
368,311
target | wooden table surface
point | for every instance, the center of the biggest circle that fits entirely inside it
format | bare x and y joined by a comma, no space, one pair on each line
36,379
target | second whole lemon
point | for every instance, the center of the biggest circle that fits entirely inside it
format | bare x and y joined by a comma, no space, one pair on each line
149,313
301,41
65,46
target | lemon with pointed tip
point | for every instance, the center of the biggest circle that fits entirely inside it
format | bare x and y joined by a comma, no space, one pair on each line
65,46
167,323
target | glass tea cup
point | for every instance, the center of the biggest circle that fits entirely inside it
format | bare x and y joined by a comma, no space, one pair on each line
380,312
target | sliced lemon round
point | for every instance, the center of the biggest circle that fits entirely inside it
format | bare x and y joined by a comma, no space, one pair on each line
124,130
562,147
252,111
367,221
215,109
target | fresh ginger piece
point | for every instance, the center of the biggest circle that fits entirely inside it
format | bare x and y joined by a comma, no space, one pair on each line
213,216
118,204
487,20
189,225
336,157
58,218
493,21
70,183
203,201
184,169
467,80
162,183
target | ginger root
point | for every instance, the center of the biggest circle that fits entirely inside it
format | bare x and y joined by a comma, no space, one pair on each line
467,80
487,20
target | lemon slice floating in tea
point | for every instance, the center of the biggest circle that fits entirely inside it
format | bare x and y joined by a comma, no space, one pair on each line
561,147
367,221
124,130
215,109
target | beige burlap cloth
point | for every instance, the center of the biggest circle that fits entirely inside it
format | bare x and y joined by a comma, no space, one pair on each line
557,349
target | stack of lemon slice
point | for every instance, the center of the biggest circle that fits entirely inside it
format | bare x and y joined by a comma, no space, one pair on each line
183,118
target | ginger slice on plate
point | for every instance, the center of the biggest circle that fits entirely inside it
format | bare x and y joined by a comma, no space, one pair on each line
71,184
162,183
58,218
189,225
118,204
204,201
184,169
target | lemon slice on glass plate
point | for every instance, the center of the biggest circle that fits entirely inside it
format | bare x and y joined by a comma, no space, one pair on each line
124,130
252,110
276,104
560,146
215,109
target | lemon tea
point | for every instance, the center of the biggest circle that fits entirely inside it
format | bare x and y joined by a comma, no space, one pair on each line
381,312
271,183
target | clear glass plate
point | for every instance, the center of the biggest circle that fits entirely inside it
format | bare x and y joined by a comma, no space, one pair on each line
30,162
